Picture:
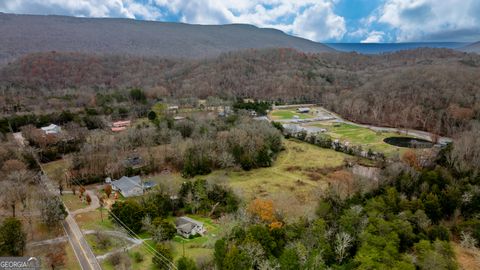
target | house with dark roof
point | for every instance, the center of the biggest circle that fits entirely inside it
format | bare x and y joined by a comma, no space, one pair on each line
130,186
134,161
187,227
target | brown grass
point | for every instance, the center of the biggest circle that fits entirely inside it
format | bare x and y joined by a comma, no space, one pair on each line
466,258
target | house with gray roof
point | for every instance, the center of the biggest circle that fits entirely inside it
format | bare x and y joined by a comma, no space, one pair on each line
131,186
187,227
51,129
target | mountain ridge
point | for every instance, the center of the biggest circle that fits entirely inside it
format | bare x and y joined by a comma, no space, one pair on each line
473,47
23,34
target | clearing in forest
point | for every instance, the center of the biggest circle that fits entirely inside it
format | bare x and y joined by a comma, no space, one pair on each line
295,178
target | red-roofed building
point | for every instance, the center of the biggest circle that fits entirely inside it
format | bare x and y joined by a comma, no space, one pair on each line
121,124
118,129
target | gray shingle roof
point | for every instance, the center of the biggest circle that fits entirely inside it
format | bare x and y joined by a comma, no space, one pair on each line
186,220
126,183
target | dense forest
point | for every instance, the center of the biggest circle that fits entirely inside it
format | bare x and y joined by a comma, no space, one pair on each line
429,89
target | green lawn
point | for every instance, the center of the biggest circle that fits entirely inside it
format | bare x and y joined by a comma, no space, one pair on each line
73,202
199,247
93,221
365,137
289,114
56,169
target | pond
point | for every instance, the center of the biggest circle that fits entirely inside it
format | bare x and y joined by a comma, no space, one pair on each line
408,142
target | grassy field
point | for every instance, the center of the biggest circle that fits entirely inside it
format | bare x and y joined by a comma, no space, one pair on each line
93,221
288,171
73,202
365,137
297,176
56,169
289,114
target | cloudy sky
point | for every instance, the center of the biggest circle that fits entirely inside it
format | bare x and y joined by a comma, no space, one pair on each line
318,20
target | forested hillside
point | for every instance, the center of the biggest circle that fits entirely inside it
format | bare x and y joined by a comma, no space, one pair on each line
430,89
23,34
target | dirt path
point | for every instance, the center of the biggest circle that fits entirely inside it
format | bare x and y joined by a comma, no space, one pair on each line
94,204
48,241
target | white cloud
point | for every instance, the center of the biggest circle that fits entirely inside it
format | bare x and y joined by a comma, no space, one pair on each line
81,8
312,19
374,37
424,19
320,23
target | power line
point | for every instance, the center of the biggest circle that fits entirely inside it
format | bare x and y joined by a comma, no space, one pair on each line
147,247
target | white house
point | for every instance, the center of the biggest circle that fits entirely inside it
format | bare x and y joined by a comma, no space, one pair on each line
303,110
51,129
187,227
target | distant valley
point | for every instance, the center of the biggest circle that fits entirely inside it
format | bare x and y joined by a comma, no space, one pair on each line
377,48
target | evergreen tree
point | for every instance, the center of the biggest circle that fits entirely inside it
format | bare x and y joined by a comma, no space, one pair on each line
12,238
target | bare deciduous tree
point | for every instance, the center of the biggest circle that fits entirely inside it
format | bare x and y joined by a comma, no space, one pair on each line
343,242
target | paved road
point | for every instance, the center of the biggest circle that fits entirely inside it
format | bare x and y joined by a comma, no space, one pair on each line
82,250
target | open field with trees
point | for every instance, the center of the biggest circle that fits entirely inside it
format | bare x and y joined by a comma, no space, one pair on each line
297,177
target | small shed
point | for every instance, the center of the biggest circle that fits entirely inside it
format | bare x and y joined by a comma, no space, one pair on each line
52,129
120,124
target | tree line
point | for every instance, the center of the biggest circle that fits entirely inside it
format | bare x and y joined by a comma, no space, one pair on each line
192,146
428,89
